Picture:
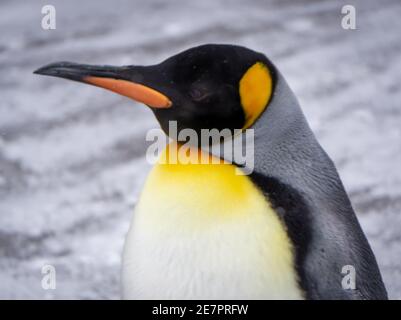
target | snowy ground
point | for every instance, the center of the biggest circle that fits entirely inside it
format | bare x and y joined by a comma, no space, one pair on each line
71,156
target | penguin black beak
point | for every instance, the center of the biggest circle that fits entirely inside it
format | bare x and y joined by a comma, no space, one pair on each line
120,80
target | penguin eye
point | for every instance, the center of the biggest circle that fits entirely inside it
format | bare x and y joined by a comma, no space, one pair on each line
197,94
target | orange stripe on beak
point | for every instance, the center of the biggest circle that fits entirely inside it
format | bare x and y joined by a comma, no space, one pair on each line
132,90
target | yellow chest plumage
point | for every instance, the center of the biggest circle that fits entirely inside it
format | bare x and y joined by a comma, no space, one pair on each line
200,231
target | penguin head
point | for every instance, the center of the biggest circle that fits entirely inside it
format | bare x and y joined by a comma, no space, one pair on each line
206,87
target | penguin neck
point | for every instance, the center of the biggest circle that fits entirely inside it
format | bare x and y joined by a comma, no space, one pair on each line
283,119
280,137
284,144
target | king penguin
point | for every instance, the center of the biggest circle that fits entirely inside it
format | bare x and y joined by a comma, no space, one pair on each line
202,231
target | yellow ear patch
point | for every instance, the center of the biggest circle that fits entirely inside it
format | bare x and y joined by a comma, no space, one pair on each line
255,89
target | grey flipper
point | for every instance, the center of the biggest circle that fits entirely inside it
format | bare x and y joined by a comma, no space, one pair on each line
288,157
